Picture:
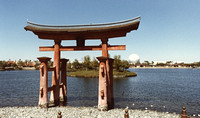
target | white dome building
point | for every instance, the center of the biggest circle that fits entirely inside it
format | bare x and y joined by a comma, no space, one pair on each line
134,59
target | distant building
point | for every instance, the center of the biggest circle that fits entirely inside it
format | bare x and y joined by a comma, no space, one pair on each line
10,62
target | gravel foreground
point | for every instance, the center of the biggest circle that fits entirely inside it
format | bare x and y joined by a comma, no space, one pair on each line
78,112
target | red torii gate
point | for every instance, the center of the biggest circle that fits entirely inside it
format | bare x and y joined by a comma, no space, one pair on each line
80,33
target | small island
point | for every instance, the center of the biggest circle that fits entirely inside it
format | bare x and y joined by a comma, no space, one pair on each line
95,74
89,69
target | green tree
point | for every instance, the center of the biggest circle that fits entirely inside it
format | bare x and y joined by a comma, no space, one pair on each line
2,64
69,65
146,63
26,62
168,63
20,63
117,62
160,64
13,65
94,64
37,64
198,64
86,62
50,63
125,64
76,65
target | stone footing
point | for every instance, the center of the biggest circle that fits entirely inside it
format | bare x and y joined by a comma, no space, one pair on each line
43,105
103,107
63,101
54,103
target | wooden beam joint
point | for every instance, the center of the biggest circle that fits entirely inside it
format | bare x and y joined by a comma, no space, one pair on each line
80,42
51,88
52,69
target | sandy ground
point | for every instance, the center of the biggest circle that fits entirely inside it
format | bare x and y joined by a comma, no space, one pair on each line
79,112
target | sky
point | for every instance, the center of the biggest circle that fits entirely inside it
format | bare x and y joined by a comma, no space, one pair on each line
168,30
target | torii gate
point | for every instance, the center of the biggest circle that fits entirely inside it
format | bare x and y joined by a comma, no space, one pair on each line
80,33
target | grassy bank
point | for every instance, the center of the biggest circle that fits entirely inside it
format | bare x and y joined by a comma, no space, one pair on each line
1,69
95,74
126,73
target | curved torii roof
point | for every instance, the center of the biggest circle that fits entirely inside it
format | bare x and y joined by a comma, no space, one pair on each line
93,31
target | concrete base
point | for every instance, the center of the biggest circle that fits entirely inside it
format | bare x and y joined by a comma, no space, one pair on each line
43,105
54,103
63,101
103,107
63,98
110,105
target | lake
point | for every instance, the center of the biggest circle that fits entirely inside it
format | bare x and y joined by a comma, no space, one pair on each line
165,90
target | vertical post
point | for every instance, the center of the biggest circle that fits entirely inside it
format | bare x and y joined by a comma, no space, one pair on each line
104,47
43,92
109,74
109,65
54,98
126,115
105,79
63,89
184,115
103,83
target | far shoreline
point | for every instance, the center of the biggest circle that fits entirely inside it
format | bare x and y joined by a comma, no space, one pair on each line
128,68
164,68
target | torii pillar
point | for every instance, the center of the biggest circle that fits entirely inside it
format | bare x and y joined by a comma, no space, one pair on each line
109,65
54,97
43,92
105,92
63,87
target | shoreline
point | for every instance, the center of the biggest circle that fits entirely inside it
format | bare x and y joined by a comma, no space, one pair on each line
14,69
163,68
129,68
95,74
80,112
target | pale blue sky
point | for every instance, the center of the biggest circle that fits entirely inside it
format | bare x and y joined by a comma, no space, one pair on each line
169,29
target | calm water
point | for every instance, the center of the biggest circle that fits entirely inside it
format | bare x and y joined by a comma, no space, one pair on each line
156,89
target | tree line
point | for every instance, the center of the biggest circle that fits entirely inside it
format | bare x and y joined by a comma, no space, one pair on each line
88,64
18,65
167,64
